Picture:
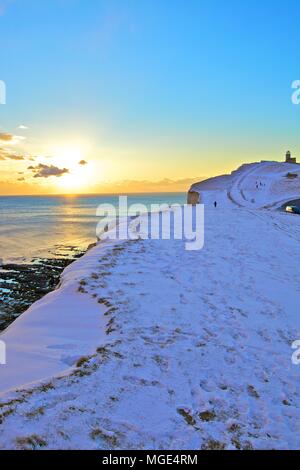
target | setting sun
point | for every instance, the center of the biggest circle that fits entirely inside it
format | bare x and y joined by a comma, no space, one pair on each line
67,155
80,171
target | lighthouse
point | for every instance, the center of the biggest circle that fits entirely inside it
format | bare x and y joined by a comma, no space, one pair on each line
289,158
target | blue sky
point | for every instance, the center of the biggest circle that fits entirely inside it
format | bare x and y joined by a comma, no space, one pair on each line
166,88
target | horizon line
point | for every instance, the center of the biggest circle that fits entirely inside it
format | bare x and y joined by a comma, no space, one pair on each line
92,194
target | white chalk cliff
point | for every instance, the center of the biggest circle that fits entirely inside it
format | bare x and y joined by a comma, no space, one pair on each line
255,185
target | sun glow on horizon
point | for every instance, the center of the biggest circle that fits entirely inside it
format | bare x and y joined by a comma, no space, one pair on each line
79,176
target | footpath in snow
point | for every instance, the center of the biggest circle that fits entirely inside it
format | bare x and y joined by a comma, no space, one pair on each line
189,350
256,185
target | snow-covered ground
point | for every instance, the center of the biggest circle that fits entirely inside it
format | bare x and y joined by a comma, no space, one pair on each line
254,185
190,349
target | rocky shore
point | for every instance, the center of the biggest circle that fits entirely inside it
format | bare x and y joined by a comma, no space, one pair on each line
23,284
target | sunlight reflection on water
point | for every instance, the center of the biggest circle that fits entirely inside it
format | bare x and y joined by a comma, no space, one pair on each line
52,226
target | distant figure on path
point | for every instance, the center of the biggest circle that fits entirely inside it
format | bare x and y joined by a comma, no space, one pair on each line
215,203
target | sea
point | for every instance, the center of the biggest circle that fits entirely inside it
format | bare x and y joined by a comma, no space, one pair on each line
34,227
41,235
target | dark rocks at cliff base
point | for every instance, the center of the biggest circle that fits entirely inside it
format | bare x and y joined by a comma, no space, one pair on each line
23,284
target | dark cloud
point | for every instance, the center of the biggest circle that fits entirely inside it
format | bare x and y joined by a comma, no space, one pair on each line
15,157
45,171
5,137
8,155
82,162
21,179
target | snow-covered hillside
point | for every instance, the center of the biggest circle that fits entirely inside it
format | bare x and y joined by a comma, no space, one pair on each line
255,185
187,350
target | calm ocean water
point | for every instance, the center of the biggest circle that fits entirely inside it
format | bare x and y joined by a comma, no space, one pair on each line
51,226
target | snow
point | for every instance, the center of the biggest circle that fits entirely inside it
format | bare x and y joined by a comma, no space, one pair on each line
55,331
182,349
255,185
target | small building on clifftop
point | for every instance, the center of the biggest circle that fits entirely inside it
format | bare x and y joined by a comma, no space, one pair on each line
289,158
